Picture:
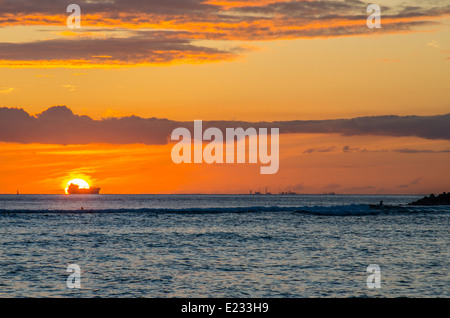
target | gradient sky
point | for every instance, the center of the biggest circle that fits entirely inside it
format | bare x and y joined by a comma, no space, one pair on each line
258,60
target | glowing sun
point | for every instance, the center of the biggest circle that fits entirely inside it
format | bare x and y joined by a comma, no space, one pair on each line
79,182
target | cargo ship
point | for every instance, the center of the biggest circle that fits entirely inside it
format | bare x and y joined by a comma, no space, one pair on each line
75,189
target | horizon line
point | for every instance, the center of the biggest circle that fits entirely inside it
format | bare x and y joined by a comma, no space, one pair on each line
253,194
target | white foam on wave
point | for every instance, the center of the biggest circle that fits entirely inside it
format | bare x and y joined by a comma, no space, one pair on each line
336,210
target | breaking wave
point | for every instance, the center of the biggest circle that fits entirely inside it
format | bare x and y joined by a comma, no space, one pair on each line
337,210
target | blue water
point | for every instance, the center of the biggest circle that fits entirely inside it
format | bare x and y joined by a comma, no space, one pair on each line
222,246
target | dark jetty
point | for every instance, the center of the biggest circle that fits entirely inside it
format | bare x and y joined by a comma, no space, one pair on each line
441,199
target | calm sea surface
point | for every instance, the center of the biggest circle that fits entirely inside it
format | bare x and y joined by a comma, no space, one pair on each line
222,246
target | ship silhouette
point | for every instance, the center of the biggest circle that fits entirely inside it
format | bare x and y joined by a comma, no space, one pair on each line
75,189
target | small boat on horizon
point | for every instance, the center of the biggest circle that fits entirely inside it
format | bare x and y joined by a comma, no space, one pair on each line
75,189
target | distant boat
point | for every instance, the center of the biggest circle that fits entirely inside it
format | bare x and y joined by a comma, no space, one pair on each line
75,189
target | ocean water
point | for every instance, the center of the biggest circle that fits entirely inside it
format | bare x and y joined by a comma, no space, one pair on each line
222,246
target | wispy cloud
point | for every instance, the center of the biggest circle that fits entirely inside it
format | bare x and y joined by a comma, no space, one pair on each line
409,150
412,183
351,149
69,87
6,90
144,48
167,31
434,44
323,149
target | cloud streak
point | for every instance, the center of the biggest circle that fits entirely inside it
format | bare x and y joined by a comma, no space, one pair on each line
6,90
148,48
59,125
412,183
322,150
162,31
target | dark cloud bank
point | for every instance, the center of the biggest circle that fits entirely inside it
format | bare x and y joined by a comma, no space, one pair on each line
142,47
59,125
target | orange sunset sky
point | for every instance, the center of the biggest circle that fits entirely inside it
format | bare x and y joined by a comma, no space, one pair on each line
225,61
